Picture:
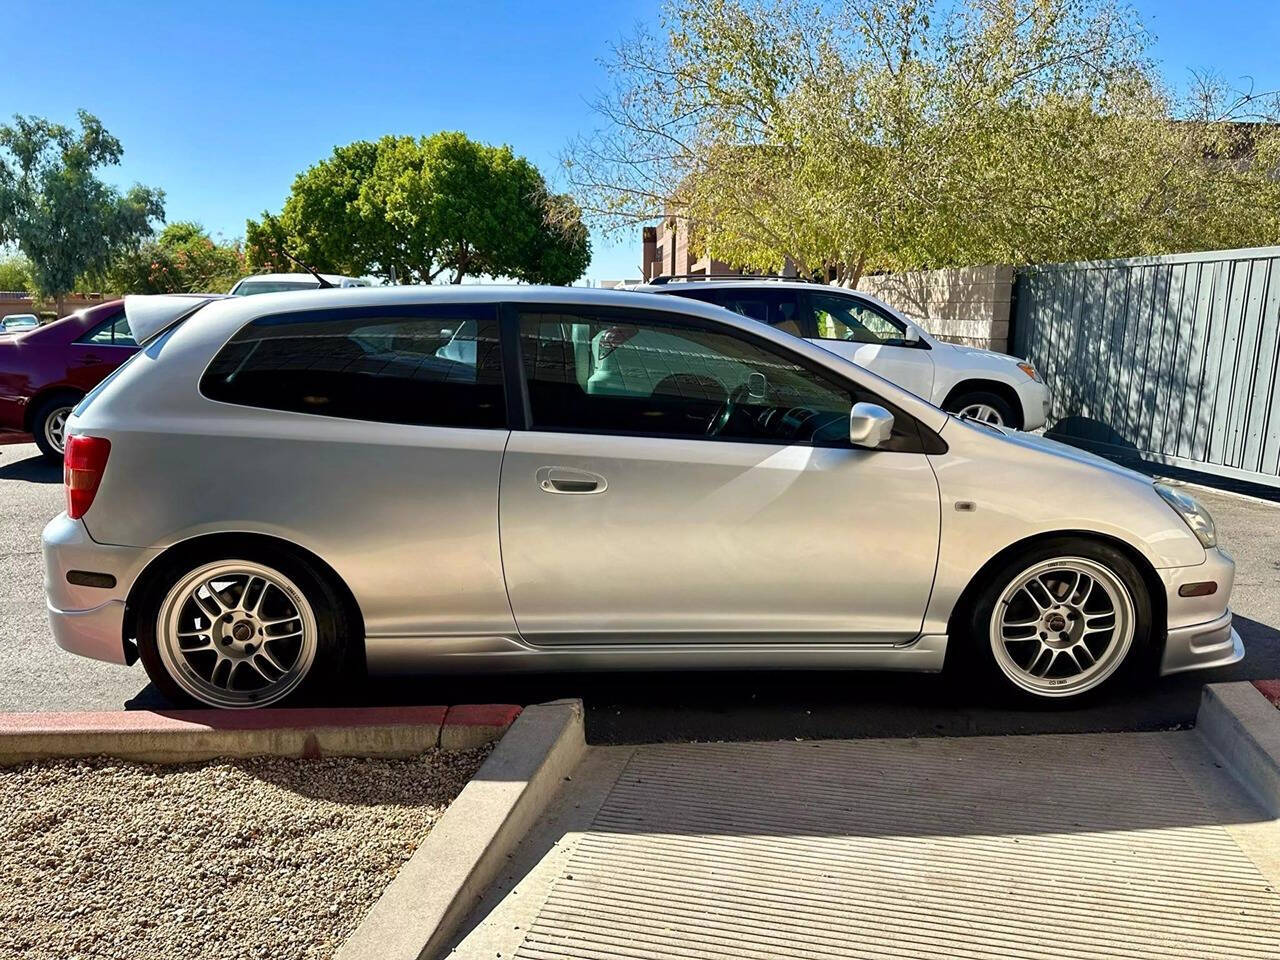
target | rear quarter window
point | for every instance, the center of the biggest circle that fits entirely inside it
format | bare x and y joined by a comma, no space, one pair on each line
436,366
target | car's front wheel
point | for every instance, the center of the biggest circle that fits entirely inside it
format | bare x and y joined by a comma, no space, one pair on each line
985,406
250,630
1063,620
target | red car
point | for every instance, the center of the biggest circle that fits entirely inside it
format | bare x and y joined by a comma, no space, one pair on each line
45,372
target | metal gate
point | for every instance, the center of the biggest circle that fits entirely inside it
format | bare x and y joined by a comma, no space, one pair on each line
1173,359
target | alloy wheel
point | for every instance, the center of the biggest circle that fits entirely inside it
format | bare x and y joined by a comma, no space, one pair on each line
55,428
984,412
1062,627
236,634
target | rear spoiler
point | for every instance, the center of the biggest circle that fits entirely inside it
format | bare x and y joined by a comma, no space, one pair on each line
152,314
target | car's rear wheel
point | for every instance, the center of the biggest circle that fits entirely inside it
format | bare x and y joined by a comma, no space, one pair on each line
49,424
237,632
1062,621
985,406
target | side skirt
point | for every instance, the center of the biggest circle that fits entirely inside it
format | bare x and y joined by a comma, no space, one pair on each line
391,655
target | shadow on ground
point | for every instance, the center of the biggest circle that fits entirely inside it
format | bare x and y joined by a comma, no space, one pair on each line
785,705
33,469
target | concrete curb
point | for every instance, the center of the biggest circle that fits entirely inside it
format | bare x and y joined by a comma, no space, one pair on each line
187,735
1242,728
420,911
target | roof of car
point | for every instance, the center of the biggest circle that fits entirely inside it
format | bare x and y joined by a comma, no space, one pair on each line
765,283
331,277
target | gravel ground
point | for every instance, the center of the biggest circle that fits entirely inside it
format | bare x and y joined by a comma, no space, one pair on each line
251,858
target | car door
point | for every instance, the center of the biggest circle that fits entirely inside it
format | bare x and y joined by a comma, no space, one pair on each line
873,338
100,350
634,509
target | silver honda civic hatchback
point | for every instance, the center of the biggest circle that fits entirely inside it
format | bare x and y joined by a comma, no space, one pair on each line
278,493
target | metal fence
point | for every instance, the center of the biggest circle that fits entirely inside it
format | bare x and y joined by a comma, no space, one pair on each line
1172,359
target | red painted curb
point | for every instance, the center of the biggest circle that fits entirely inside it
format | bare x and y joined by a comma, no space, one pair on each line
482,715
167,721
1269,689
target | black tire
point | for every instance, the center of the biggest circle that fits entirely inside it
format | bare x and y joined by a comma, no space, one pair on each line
337,668
979,661
1008,416
47,408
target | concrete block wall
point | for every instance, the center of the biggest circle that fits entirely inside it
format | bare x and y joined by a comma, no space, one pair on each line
968,305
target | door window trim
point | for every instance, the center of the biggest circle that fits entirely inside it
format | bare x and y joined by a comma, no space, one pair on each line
520,410
809,323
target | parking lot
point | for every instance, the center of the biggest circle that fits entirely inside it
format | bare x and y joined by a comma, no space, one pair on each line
644,707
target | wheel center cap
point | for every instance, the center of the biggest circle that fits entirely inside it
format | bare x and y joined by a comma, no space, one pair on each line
1055,622
242,632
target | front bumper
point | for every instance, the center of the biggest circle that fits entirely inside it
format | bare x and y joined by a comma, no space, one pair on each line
88,621
1034,396
1200,634
1203,645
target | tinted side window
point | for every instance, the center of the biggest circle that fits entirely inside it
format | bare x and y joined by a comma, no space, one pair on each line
776,308
440,366
114,331
848,318
625,375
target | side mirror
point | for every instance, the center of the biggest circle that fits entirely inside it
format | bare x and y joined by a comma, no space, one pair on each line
911,337
870,425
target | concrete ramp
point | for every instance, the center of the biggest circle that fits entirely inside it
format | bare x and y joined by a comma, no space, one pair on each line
1091,846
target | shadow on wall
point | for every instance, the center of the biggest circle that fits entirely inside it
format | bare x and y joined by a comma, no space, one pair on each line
1176,357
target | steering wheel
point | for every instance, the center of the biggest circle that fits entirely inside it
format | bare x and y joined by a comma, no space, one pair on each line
725,413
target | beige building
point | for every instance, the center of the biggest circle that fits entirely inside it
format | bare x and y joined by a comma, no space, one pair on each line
667,254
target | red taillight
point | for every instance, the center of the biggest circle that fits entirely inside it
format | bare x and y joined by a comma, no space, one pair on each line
83,464
613,338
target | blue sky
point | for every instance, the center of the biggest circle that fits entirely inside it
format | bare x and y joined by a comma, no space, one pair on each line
223,104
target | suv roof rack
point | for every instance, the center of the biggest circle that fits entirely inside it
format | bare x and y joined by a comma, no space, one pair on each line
686,277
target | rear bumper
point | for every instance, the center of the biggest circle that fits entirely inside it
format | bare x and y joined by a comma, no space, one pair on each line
88,621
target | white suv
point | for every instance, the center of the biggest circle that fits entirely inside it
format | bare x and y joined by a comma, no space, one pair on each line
980,384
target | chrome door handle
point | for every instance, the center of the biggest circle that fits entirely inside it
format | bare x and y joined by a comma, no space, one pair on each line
568,480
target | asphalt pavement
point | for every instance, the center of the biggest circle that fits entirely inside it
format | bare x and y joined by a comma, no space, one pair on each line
651,707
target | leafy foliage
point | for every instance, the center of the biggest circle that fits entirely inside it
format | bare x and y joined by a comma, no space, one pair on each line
15,274
425,207
901,134
183,259
61,216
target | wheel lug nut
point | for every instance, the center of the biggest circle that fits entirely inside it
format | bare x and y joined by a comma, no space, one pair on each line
226,641
1043,635
1062,636
227,619
249,648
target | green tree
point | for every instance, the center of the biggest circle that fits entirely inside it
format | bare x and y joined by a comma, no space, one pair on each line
61,216
15,274
899,134
182,259
425,207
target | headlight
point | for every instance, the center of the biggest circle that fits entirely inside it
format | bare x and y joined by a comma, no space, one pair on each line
1192,511
1030,371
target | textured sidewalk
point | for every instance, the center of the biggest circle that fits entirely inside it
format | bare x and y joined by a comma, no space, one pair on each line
1089,846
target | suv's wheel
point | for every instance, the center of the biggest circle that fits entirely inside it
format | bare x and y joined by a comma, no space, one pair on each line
985,406
258,628
1062,620
49,424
